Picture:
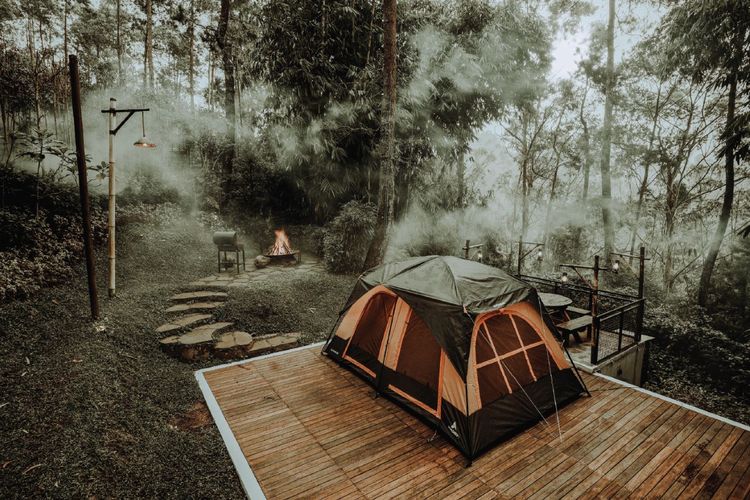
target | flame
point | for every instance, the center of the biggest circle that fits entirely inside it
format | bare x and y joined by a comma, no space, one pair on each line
282,245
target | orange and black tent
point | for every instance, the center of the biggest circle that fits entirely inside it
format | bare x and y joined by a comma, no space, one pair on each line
465,346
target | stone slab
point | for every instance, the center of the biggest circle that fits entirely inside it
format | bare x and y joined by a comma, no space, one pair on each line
182,322
194,306
200,294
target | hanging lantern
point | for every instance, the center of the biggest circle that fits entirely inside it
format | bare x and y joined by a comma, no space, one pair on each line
540,255
564,278
479,256
616,267
143,142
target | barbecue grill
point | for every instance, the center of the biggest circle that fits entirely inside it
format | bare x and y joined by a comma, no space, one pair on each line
226,242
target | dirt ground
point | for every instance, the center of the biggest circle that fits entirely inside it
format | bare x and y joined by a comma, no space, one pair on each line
96,409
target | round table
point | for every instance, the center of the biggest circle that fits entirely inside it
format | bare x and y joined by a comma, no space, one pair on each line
555,301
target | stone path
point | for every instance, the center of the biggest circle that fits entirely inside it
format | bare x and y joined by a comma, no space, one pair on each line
246,278
197,336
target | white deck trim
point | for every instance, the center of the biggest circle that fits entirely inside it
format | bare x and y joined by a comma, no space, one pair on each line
249,482
674,401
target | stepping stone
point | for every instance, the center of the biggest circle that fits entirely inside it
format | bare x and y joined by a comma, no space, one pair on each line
229,340
201,294
194,306
196,335
182,322
274,343
195,345
233,345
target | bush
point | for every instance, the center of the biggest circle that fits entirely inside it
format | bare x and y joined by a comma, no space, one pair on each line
347,237
147,187
39,252
687,335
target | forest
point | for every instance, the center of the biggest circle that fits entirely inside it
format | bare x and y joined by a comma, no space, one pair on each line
374,131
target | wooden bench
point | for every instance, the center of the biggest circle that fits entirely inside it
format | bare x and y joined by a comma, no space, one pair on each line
577,310
574,326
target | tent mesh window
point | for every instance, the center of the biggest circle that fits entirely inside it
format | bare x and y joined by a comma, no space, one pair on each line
368,336
419,356
492,385
505,364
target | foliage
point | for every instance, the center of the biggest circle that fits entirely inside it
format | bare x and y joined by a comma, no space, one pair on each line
40,251
147,187
687,334
348,236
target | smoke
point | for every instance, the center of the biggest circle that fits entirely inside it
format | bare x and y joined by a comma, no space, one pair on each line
167,124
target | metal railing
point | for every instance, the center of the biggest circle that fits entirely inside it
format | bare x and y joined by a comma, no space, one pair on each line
616,330
618,319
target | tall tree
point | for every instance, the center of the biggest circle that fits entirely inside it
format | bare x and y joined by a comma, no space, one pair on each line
604,165
386,183
223,42
710,42
148,47
118,20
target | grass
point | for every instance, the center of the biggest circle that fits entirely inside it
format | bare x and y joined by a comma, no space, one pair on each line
290,302
89,409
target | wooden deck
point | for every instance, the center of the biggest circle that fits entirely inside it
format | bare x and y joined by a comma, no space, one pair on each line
309,428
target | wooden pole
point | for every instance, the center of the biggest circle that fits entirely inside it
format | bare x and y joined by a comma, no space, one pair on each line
520,255
466,249
595,297
641,292
112,200
83,184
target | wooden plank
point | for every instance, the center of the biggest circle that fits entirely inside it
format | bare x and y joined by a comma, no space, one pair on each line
309,428
718,456
723,477
699,438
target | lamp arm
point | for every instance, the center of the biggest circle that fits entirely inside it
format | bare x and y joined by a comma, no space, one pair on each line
122,122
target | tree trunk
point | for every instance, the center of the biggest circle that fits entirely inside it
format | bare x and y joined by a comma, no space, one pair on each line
225,47
210,80
461,174
191,56
65,30
726,206
369,35
644,181
386,184
586,145
119,45
609,231
150,44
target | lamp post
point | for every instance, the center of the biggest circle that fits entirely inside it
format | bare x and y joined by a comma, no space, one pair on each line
593,285
468,246
112,198
522,255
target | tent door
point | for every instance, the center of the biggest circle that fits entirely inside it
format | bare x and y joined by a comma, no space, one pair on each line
419,367
365,343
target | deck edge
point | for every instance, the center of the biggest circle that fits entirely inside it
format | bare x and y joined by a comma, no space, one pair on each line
248,480
675,401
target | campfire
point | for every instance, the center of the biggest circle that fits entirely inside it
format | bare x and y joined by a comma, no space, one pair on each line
281,252
281,246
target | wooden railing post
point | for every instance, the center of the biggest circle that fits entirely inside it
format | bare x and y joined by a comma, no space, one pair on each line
594,340
641,293
520,254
